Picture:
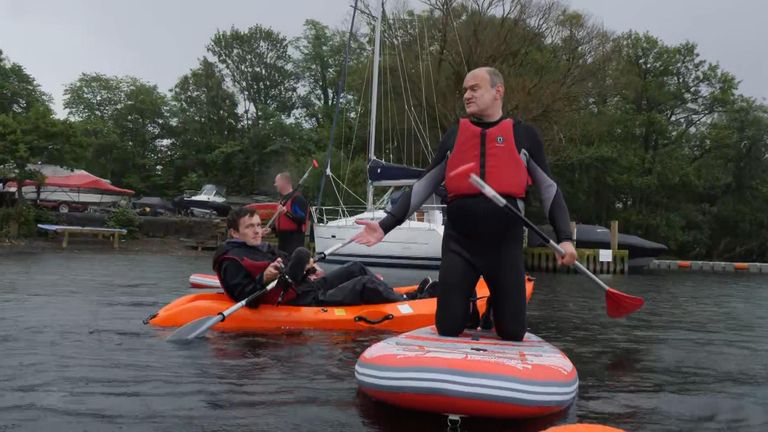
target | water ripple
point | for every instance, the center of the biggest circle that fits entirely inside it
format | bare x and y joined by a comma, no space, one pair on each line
75,356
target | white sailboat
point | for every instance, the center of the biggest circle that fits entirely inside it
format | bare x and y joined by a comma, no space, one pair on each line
414,244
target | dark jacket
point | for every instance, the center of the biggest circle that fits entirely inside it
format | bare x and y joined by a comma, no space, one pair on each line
230,261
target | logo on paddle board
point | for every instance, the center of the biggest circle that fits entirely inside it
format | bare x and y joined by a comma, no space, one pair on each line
499,140
533,355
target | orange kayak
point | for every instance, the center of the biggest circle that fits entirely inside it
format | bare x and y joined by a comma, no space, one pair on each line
397,317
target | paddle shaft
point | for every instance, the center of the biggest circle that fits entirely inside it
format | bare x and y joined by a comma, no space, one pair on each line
501,202
290,195
221,316
322,255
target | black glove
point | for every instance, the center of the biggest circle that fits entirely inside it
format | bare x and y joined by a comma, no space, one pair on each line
297,266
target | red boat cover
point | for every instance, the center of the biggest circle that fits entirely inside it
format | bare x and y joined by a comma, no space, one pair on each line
80,180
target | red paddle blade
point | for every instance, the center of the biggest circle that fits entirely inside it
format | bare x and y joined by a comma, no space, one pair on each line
462,171
314,163
620,305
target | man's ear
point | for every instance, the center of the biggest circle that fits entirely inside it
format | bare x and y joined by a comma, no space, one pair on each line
232,233
500,91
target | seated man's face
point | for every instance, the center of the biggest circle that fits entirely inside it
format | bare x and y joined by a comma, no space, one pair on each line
249,231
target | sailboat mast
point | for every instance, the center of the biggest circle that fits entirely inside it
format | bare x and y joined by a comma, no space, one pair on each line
374,97
337,106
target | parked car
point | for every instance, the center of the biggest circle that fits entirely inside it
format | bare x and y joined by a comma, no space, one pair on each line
152,206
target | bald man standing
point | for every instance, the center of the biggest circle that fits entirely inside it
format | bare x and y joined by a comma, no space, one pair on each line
480,238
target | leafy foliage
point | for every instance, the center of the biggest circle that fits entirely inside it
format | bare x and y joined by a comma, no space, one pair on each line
29,133
125,218
123,120
25,217
636,129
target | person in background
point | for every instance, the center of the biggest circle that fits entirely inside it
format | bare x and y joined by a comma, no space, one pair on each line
293,217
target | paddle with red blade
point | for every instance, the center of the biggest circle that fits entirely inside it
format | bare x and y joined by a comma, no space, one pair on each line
293,192
617,303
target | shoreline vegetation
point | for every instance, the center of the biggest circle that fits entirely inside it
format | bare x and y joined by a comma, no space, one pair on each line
636,130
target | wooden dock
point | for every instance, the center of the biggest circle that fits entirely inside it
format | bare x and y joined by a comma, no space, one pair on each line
111,233
599,261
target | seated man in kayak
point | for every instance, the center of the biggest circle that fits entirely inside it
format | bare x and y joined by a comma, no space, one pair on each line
245,265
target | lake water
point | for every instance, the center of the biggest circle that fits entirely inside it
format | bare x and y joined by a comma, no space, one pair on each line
76,357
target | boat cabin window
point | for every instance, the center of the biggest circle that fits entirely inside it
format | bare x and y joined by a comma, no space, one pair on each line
211,190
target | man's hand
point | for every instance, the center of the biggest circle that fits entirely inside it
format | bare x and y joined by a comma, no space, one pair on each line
570,254
273,271
266,231
370,235
281,209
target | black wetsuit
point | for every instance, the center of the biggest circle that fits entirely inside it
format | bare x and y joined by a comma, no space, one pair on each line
482,239
350,284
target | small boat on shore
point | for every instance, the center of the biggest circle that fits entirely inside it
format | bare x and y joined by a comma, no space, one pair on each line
70,190
209,202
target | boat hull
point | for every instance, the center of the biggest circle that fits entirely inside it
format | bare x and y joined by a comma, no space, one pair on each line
413,244
396,317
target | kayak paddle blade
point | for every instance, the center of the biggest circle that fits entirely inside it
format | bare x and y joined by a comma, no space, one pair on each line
619,305
194,329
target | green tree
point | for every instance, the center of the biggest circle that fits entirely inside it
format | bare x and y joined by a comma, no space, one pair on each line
29,133
626,151
319,59
123,119
37,137
730,165
259,66
203,120
19,92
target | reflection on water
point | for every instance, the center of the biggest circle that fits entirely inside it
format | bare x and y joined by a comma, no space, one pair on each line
75,355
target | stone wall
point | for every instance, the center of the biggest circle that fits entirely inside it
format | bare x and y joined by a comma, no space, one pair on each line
173,227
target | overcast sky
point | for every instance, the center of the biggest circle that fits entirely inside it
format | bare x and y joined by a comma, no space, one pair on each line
159,40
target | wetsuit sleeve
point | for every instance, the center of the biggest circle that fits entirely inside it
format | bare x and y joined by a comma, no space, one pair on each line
298,210
552,200
238,282
424,187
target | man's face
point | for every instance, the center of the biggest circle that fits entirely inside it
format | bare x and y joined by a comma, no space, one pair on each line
480,99
281,185
249,230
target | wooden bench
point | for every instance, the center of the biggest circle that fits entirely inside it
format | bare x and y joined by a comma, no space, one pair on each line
114,233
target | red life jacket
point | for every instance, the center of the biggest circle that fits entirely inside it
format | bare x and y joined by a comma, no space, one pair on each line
496,159
256,268
284,223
